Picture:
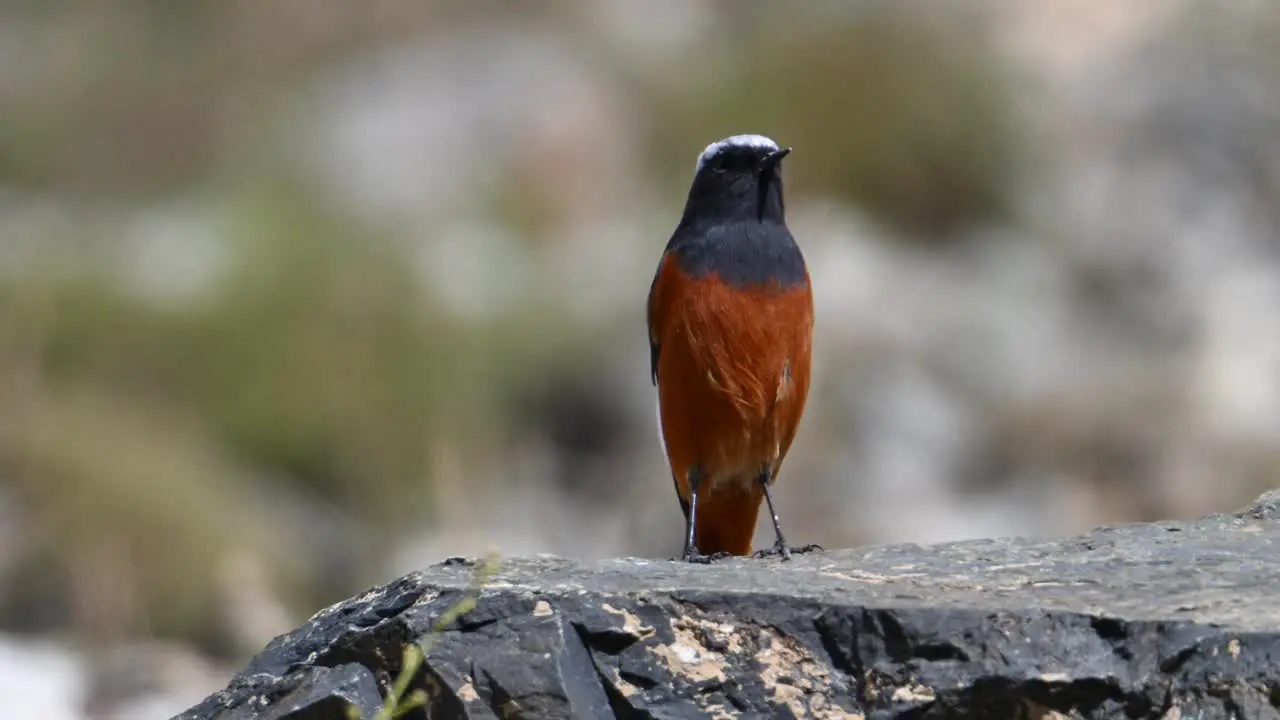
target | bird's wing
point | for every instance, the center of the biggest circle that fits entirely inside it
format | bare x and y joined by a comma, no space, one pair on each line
652,304
654,349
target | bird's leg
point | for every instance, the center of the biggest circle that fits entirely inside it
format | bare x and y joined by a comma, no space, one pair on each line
780,546
690,520
691,553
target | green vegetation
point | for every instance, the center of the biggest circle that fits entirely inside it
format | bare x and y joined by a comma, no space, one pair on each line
313,363
159,452
904,114
400,701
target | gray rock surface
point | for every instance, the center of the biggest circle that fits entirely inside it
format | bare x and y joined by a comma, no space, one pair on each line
1172,620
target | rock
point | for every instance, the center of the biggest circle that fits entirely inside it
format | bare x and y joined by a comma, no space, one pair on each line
1266,507
1162,620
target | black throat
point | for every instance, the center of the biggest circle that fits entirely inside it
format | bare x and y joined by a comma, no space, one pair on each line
741,254
734,226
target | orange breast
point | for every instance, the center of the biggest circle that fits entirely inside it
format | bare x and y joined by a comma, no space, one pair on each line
733,377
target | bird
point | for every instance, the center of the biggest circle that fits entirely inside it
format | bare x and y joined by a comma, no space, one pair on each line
730,319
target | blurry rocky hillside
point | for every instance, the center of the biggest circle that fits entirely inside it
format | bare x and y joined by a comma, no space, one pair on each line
299,295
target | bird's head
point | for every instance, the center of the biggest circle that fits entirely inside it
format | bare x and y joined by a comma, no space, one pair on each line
738,178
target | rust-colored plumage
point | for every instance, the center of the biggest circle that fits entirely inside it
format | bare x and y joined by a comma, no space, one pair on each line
733,378
730,317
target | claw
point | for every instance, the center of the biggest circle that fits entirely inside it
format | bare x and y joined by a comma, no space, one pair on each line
779,548
785,551
697,558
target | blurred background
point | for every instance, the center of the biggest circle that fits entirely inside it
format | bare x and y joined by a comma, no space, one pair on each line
297,296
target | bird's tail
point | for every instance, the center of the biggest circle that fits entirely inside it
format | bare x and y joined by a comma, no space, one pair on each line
727,517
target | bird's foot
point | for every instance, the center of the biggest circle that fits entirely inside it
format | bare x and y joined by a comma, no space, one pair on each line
779,549
693,556
785,551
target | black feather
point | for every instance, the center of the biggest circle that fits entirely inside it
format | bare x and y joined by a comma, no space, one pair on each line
653,344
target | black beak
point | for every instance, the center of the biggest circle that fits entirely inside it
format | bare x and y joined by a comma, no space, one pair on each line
770,162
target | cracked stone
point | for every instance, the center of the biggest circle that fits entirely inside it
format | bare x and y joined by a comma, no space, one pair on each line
1160,620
